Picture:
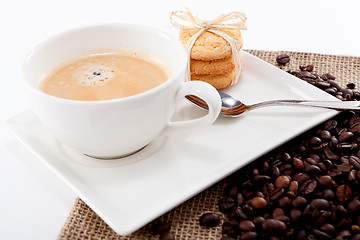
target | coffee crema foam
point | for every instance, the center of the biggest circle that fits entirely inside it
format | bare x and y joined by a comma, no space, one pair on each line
103,75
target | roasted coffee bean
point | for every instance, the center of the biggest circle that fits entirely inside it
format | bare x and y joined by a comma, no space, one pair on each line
343,193
283,59
308,68
328,228
284,202
330,125
312,169
355,161
258,220
227,238
346,136
262,178
328,76
209,220
301,177
273,226
320,203
326,181
226,204
354,206
295,214
294,185
344,167
352,175
329,194
166,236
321,234
315,141
248,235
356,237
246,225
298,164
258,202
277,212
308,187
282,182
160,226
299,202
276,193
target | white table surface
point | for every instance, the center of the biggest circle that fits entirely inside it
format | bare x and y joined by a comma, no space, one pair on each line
34,204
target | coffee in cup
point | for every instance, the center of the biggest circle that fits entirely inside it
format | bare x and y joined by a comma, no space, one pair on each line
104,74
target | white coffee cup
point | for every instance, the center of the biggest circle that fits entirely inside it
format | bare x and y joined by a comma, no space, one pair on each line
118,127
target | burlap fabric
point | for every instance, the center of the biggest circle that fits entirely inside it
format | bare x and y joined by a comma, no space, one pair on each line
83,223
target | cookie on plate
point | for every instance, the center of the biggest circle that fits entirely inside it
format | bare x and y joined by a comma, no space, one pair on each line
210,46
218,66
218,81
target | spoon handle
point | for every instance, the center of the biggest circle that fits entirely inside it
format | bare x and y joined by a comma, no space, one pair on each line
336,105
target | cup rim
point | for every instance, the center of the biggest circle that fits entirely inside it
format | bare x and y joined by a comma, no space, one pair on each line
172,78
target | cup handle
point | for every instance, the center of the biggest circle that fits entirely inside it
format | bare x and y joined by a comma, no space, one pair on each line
204,91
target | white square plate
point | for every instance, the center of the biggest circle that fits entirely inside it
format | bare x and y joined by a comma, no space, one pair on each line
130,192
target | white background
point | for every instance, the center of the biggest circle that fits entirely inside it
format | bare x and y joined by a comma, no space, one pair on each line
34,204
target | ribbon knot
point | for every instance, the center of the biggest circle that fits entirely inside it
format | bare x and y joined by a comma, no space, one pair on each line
207,25
232,20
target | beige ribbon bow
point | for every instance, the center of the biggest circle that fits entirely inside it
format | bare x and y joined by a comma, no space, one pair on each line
232,20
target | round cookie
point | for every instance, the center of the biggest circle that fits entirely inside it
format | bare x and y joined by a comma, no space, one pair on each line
210,46
218,81
219,66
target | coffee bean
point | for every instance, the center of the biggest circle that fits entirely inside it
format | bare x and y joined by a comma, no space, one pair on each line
246,225
354,206
209,220
346,136
329,194
345,167
355,161
299,202
308,68
276,193
308,187
261,178
248,235
356,237
258,220
343,193
227,238
161,226
226,204
298,164
258,202
166,236
326,181
278,212
282,182
301,177
294,185
312,169
328,76
327,227
330,125
295,214
273,226
282,59
284,202
320,204
321,234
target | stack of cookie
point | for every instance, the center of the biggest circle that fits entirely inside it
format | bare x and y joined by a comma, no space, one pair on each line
211,58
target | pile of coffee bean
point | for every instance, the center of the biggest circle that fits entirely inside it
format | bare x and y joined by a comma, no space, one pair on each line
307,189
